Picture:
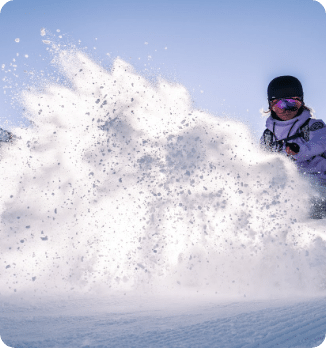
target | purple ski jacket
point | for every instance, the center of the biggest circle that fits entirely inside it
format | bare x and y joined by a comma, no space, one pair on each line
311,158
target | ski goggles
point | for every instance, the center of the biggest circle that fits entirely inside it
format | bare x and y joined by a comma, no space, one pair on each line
286,103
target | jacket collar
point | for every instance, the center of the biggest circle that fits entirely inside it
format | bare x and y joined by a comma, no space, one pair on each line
300,120
283,129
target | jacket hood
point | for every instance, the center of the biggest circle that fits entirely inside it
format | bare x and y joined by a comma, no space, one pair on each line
284,129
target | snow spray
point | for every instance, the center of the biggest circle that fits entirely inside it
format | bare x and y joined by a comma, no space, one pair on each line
120,184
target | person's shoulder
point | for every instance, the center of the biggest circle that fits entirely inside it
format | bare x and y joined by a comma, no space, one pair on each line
316,124
269,123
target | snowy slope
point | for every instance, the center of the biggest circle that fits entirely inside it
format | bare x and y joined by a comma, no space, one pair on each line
120,185
125,322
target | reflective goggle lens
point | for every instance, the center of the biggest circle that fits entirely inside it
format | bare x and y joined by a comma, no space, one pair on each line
286,103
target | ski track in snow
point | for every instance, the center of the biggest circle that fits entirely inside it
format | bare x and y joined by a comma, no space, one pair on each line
121,185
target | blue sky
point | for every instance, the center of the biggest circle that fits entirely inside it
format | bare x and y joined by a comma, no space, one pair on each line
225,52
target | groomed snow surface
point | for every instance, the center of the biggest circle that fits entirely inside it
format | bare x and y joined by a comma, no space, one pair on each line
131,219
156,322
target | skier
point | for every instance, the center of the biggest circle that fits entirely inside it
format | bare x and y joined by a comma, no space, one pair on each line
5,136
292,130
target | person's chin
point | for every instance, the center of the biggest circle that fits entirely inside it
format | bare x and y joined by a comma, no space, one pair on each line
286,116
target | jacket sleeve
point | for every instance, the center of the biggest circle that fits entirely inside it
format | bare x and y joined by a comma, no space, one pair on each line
316,145
266,146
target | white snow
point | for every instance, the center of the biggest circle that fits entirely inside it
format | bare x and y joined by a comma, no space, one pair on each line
152,321
129,218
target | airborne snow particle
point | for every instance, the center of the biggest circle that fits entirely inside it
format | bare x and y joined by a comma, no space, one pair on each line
158,161
42,32
17,40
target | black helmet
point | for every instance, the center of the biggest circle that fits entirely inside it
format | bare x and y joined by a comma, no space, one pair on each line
283,87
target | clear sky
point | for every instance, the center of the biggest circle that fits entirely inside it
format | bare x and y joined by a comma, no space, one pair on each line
225,52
